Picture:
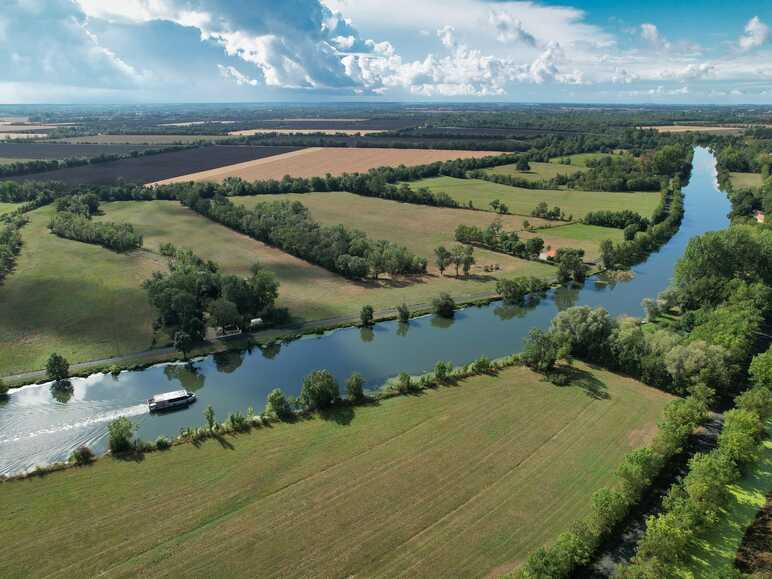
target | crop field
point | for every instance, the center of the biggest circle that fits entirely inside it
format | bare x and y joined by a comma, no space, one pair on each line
538,171
250,132
157,167
50,151
318,161
460,481
140,139
72,298
522,201
716,130
339,124
746,180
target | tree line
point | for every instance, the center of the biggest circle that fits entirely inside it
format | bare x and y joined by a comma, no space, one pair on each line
495,238
10,244
289,226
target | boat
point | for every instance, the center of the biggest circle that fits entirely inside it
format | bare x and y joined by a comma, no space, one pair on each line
170,400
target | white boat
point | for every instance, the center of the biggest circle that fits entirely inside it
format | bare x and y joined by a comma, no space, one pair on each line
169,400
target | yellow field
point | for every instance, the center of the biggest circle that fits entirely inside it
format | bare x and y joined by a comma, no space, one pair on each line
746,180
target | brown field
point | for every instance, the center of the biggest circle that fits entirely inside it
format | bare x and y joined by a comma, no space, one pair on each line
22,135
250,132
8,127
318,161
139,139
696,129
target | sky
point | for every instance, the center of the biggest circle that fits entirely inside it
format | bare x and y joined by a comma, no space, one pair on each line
604,51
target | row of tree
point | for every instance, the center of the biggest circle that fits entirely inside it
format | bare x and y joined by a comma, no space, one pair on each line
116,236
617,219
495,238
289,226
10,244
554,214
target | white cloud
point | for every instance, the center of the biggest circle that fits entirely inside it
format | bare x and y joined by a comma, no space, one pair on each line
232,73
447,35
510,29
650,33
690,72
756,34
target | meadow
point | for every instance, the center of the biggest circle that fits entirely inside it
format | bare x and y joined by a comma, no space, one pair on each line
537,172
578,159
8,207
746,180
464,480
522,201
318,161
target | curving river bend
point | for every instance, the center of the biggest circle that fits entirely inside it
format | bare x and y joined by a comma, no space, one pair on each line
36,428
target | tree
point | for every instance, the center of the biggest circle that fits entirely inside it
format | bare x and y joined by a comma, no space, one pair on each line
209,416
319,390
121,431
404,313
183,342
523,164
495,204
457,256
57,368
442,258
468,260
224,313
533,247
570,265
355,387
542,350
3,388
651,307
444,305
366,316
761,369
607,254
588,330
277,404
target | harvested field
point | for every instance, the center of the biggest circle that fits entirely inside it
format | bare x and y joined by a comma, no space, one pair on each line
522,201
461,481
250,132
22,136
140,139
335,124
318,161
538,171
157,167
746,180
717,130
51,151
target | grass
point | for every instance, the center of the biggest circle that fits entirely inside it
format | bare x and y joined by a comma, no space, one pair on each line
582,232
522,201
746,180
461,481
538,171
579,159
8,207
5,161
714,553
80,300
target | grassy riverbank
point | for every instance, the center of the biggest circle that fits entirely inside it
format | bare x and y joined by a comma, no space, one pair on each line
464,480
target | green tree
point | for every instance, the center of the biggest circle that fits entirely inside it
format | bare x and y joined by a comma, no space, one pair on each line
761,369
607,254
457,257
319,390
3,388
183,342
121,434
467,261
355,387
444,305
523,164
542,350
57,368
404,313
533,247
277,404
442,258
224,313
210,417
366,316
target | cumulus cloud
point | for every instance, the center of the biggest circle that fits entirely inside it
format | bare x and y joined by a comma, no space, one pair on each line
756,34
447,35
234,74
650,33
690,72
49,41
510,29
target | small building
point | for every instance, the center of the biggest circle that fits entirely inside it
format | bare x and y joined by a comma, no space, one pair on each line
255,322
548,254
759,216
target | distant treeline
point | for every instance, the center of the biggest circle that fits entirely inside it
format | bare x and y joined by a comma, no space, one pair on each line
289,227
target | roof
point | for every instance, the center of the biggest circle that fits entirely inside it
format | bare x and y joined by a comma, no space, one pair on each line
759,215
170,395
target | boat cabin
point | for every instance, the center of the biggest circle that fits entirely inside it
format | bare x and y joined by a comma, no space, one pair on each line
168,400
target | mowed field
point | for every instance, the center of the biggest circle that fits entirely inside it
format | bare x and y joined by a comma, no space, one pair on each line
154,167
313,293
421,228
140,139
80,300
522,201
318,161
746,180
463,481
538,171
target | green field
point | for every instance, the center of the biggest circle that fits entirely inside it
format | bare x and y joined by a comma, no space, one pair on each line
72,298
580,159
522,201
5,161
538,171
464,481
8,207
746,180
582,232
714,552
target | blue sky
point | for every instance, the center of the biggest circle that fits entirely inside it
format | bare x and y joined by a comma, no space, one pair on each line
673,51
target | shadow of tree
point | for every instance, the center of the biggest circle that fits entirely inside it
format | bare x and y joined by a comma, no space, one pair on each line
586,381
341,415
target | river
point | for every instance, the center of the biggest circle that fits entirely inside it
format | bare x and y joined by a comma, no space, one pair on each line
37,428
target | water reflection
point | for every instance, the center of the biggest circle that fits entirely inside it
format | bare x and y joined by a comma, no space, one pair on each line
62,391
188,375
442,322
402,329
567,296
366,334
270,350
230,361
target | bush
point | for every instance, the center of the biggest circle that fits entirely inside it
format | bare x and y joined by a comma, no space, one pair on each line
482,365
444,306
163,443
442,371
82,456
366,316
320,390
404,313
121,433
57,368
355,387
238,422
277,404
3,388
404,383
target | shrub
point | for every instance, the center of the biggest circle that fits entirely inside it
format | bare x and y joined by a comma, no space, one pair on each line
444,305
121,433
82,456
366,316
319,390
482,365
404,383
355,386
442,371
3,388
163,443
404,313
238,422
57,368
277,404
